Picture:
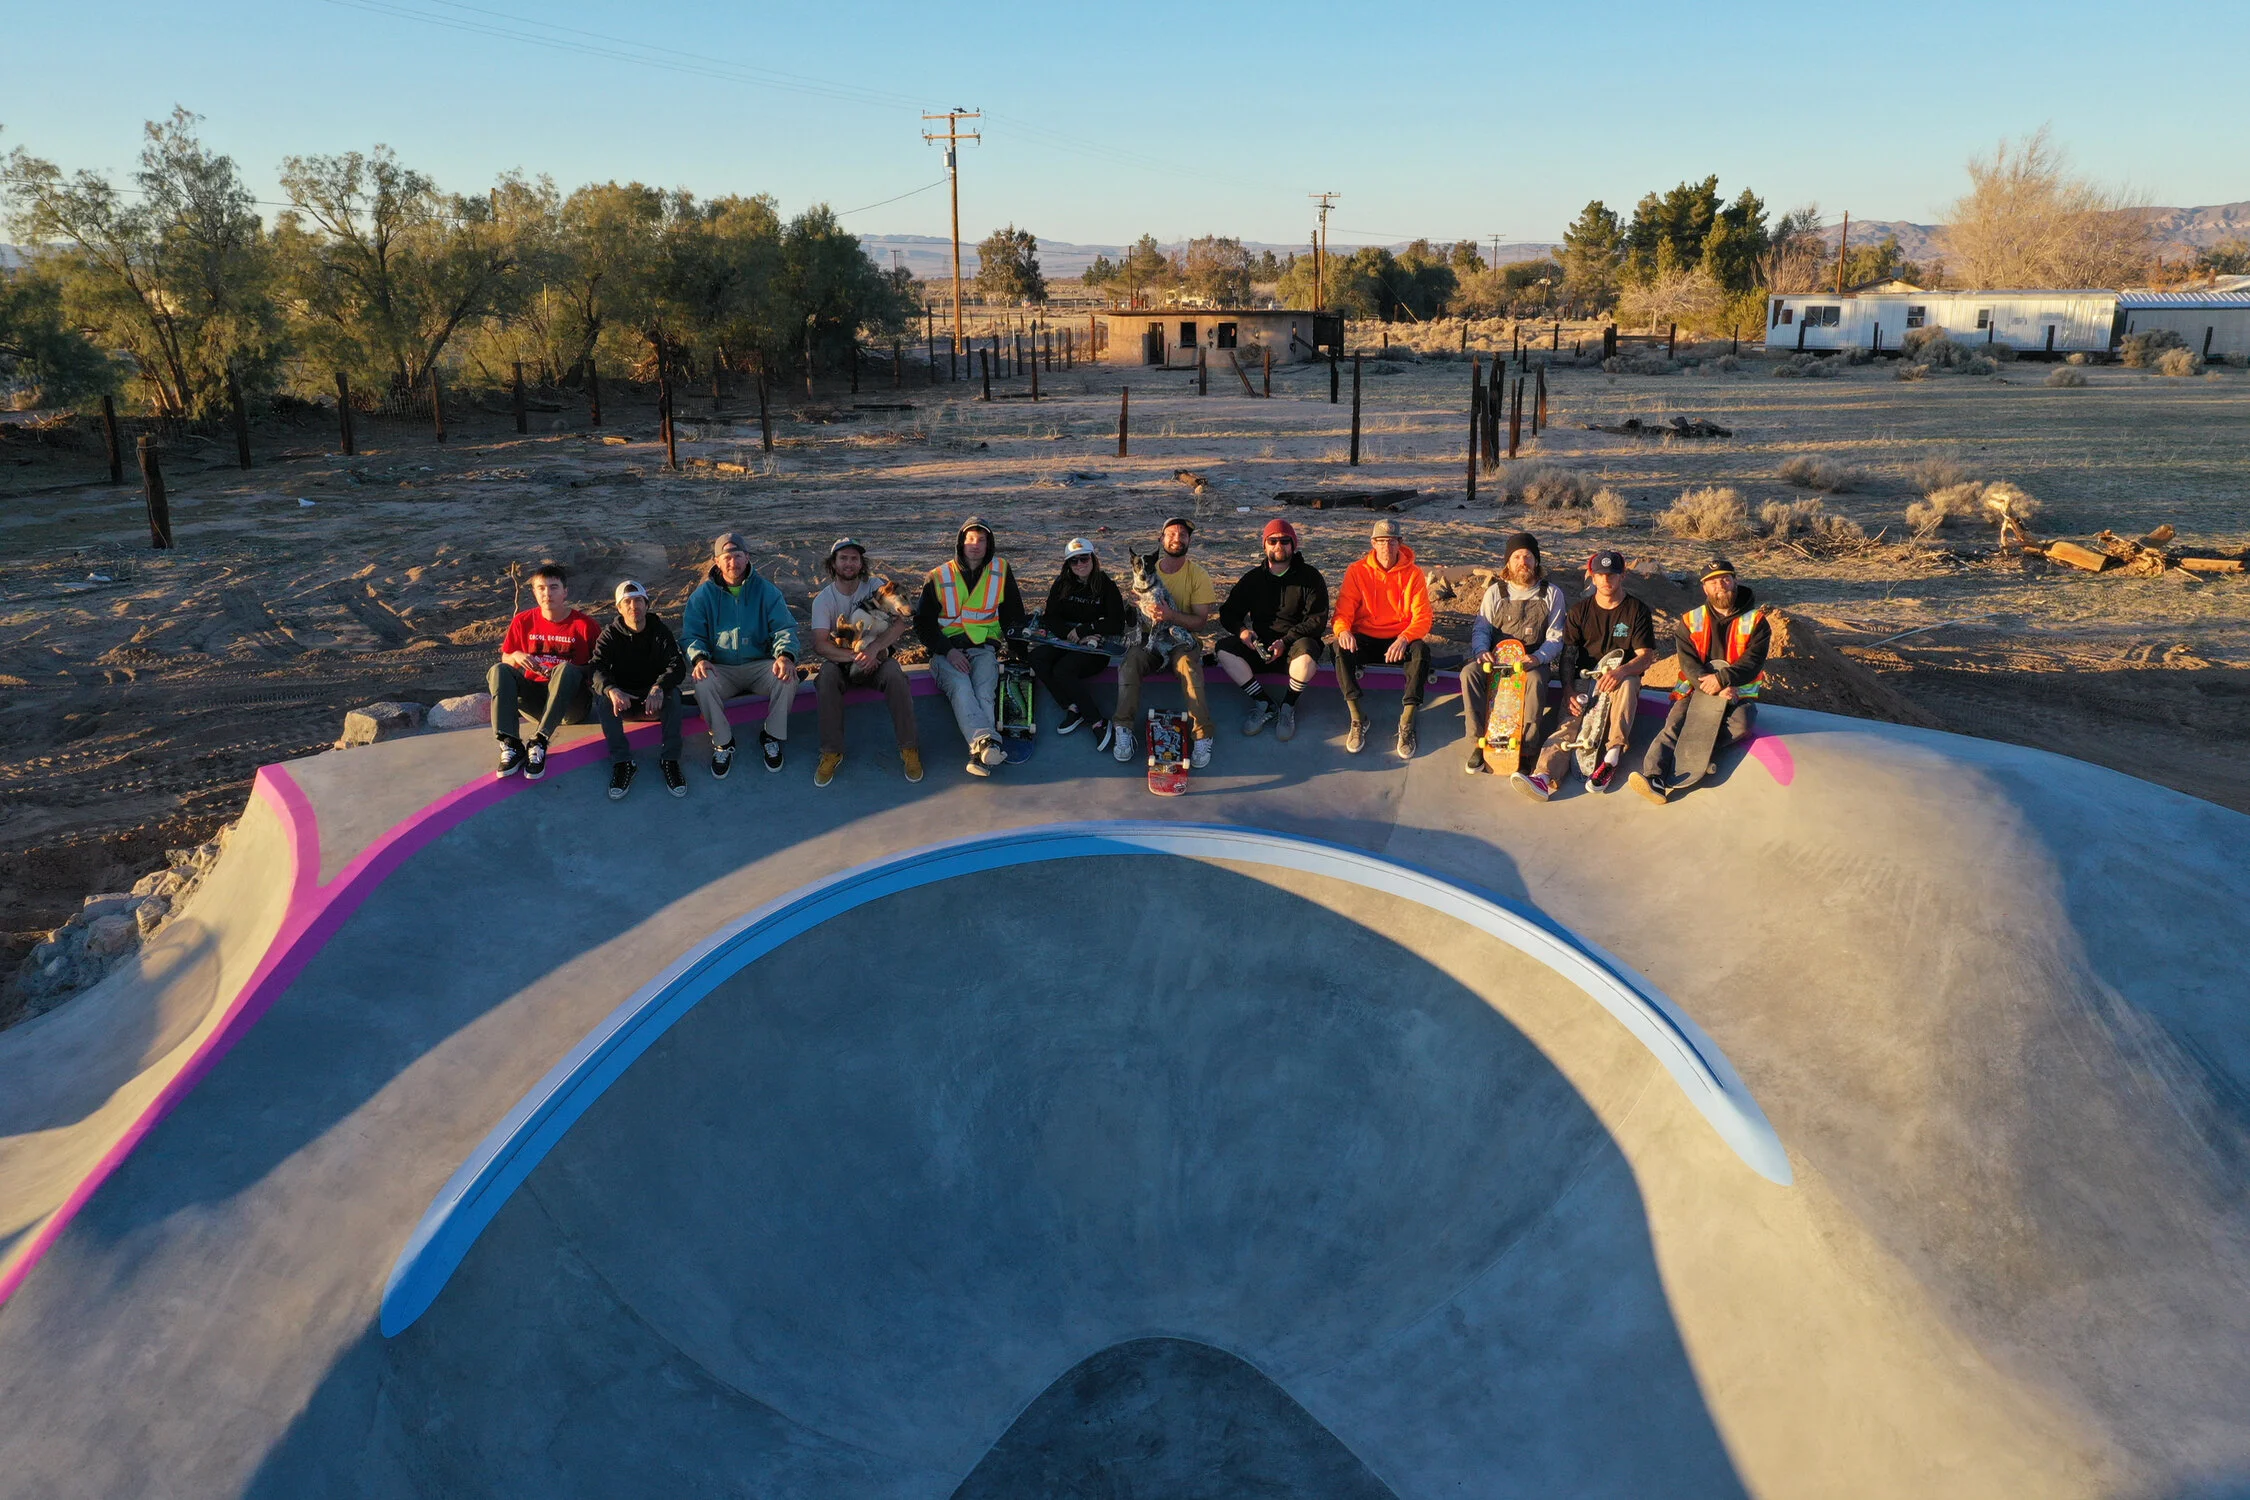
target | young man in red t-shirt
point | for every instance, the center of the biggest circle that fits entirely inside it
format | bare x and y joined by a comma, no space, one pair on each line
542,667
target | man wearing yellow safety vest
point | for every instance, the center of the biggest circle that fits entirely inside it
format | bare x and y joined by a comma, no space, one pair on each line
1722,650
966,606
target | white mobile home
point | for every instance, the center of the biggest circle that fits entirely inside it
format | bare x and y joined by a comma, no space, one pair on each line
2216,323
1169,337
2083,321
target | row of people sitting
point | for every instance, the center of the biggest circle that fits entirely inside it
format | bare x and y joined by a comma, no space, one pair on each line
739,639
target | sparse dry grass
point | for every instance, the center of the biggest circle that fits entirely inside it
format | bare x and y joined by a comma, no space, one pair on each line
1936,473
1714,513
2140,351
1821,474
2178,362
1610,508
1548,487
2066,377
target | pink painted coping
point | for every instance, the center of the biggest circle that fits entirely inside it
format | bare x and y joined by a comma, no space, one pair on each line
318,910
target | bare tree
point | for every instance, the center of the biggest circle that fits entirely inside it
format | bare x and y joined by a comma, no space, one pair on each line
1795,252
2026,221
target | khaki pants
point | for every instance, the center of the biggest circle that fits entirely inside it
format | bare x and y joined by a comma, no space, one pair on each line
1557,755
836,679
742,679
1187,662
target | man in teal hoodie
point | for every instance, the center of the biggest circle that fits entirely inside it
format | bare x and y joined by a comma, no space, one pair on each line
740,639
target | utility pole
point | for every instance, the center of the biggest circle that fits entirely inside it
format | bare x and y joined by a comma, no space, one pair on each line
1843,249
1320,250
953,138
1495,252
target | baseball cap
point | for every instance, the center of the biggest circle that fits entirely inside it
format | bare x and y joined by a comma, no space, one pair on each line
1078,546
628,589
1278,527
1605,562
1717,567
1178,521
1385,527
728,541
841,543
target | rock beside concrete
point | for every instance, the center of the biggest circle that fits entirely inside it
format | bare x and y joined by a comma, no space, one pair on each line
380,721
110,927
115,903
111,935
469,711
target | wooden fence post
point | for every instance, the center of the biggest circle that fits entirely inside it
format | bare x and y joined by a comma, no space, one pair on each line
1035,374
1332,374
593,394
898,367
241,418
1269,370
1672,341
117,451
437,403
523,422
344,412
1539,412
152,485
1476,417
854,362
1355,410
1202,373
1495,404
765,413
1554,344
1515,418
1124,416
984,361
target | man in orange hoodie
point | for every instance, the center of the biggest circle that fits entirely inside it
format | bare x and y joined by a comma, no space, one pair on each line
1383,614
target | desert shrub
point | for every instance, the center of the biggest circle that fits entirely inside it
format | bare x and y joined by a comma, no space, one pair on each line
1941,508
1384,367
2079,359
2141,350
1810,522
1610,508
1710,514
1548,487
1728,363
1442,353
1402,352
2179,362
1615,364
1932,474
2000,353
1856,356
1904,371
2004,498
1821,474
2065,376
1778,518
1979,365
1831,533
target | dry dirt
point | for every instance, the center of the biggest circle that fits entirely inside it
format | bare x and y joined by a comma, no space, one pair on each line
143,688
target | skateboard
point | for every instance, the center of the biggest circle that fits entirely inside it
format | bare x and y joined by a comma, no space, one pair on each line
1033,635
1019,728
1593,727
1504,728
1699,739
1168,752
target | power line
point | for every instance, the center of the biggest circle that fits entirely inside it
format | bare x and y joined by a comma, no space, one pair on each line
863,208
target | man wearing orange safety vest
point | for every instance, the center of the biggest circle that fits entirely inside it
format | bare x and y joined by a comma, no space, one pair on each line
1722,650
966,606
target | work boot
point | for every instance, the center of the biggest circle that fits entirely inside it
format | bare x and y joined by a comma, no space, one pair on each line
825,771
1355,735
911,759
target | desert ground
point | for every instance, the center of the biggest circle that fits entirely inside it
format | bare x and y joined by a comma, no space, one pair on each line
142,689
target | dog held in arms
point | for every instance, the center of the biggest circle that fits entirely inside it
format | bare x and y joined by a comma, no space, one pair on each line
869,618
1149,592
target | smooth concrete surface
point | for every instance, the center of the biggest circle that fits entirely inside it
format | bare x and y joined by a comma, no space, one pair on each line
844,1229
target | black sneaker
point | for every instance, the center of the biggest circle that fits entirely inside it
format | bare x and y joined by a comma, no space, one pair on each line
722,761
511,759
770,748
535,760
1104,735
620,779
1072,721
1476,765
674,782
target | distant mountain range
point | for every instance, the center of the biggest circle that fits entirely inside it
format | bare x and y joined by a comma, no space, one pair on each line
2179,231
931,256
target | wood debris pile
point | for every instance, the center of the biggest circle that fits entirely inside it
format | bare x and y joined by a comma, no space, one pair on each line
1679,427
2151,556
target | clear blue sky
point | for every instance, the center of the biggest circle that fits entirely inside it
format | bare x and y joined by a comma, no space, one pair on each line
1444,119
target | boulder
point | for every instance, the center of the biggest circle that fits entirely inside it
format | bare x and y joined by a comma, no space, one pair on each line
112,934
119,903
380,721
469,711
159,883
152,913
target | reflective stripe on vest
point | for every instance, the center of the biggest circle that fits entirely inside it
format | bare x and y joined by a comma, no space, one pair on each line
975,614
1698,624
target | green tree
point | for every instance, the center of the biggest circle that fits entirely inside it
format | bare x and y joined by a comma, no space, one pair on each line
178,282
41,355
1593,254
1146,269
1008,267
833,291
1269,268
1101,274
1678,221
1464,258
1219,270
1736,242
1878,262
2230,257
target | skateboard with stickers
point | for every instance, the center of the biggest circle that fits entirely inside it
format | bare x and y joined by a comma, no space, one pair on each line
1593,725
1168,741
1509,681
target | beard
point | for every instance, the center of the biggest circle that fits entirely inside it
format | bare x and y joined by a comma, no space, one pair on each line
1171,550
1523,575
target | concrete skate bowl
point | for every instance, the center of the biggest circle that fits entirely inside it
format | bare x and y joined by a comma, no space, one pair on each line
1120,1175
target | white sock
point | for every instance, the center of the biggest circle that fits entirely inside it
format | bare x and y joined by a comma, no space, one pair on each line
1609,757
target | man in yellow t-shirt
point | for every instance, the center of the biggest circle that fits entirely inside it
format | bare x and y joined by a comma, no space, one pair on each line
1194,599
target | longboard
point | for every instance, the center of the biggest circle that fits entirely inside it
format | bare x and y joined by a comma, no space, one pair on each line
1111,647
1503,722
1167,753
1593,726
1699,739
1016,712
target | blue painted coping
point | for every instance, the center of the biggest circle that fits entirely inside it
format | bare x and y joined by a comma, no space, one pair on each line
474,1194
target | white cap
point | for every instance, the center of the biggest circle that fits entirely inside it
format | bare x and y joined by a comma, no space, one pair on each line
1078,546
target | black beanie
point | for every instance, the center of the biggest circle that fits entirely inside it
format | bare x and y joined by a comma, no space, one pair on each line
1521,541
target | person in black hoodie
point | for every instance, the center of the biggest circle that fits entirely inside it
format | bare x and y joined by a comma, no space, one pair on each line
1274,616
967,604
1722,645
637,669
1083,605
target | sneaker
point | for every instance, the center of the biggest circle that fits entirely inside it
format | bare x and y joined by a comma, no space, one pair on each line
1104,735
977,767
1647,788
722,761
912,761
770,748
1355,737
989,750
1538,788
1072,721
620,779
1477,765
1201,756
1261,714
535,760
1599,777
511,759
1407,740
1121,743
825,772
674,782
1285,722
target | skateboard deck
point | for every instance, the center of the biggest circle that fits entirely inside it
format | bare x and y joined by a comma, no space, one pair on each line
1593,728
1503,723
1111,647
1167,753
1699,739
